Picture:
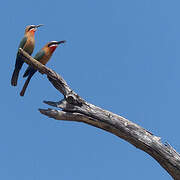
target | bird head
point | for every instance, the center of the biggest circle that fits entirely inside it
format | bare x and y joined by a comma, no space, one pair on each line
32,28
51,46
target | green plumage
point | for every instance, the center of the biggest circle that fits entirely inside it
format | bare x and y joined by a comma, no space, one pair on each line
23,42
38,57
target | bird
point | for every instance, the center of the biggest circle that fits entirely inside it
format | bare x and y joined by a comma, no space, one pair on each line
43,56
27,44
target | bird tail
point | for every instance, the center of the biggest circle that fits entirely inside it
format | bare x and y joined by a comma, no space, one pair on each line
27,72
25,86
14,78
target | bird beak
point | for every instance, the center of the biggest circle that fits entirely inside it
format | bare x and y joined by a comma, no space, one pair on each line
39,25
61,42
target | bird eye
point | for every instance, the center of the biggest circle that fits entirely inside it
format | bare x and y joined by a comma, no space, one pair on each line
31,27
50,44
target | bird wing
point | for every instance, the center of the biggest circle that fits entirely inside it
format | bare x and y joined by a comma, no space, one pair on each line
23,42
19,63
38,57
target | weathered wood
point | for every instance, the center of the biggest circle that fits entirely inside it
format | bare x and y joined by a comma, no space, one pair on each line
74,108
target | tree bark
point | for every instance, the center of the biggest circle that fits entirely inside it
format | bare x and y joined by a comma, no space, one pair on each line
75,108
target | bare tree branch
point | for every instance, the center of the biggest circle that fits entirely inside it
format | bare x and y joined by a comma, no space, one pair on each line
74,108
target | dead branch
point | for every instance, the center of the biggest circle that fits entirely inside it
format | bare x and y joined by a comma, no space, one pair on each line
74,108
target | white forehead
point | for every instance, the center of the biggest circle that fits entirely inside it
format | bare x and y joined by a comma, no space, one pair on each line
53,42
30,25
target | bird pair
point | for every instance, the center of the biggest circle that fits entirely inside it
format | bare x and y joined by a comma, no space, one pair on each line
43,56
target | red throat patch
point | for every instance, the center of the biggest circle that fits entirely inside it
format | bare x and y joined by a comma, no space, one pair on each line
53,48
32,31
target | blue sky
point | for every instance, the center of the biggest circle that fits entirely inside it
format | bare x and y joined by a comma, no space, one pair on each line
120,55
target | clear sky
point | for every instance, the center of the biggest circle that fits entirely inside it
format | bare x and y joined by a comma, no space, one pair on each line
123,56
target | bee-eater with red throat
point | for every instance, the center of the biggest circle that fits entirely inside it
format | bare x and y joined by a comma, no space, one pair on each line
43,56
27,44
